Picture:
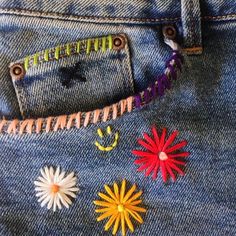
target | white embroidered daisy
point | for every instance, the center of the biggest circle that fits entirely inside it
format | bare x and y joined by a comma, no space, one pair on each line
55,189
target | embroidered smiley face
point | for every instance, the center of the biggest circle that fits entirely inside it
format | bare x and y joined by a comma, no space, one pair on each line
112,145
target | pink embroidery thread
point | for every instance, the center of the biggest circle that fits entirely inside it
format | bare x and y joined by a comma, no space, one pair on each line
173,67
67,121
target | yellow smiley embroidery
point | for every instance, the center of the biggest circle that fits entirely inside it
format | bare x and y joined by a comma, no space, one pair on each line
101,135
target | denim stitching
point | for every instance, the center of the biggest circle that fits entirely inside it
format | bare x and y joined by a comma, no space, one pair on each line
193,50
193,28
112,19
82,46
222,17
22,99
128,68
162,83
125,66
98,44
85,18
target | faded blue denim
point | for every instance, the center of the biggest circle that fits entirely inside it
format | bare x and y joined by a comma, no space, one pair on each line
50,89
201,105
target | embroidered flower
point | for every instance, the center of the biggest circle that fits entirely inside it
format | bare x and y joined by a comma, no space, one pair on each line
55,189
161,155
120,207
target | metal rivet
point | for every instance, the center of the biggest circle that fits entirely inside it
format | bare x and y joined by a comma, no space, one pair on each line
169,31
119,42
17,71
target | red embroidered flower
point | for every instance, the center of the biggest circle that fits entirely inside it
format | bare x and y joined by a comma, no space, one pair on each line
161,155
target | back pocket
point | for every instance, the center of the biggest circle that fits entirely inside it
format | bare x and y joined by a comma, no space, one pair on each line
78,76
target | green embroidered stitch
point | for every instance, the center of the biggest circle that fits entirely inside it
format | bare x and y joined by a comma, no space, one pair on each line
57,52
81,46
68,49
36,55
104,40
96,44
26,63
78,47
46,55
88,48
110,42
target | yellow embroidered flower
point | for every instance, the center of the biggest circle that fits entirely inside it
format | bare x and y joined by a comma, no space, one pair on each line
120,207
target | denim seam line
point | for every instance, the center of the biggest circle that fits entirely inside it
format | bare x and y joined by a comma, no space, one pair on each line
90,19
85,18
127,68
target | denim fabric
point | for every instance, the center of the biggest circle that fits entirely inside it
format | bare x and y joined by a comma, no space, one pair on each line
50,89
191,23
144,43
119,11
201,105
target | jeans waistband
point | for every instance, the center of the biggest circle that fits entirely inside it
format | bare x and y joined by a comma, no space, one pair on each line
121,10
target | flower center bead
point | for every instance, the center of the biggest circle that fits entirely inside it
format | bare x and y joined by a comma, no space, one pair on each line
121,208
55,188
162,156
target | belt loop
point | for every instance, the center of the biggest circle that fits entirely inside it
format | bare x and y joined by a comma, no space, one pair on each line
191,23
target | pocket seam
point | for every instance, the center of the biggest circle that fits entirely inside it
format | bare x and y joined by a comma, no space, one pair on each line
77,120
21,91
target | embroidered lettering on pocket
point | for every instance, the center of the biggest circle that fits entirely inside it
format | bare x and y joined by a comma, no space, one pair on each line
78,76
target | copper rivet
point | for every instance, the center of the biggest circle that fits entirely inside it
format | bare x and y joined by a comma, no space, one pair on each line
119,42
169,31
17,71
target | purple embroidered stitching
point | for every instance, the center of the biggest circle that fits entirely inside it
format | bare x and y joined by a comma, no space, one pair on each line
163,82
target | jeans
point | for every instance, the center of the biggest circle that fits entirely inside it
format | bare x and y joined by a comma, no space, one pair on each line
200,105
